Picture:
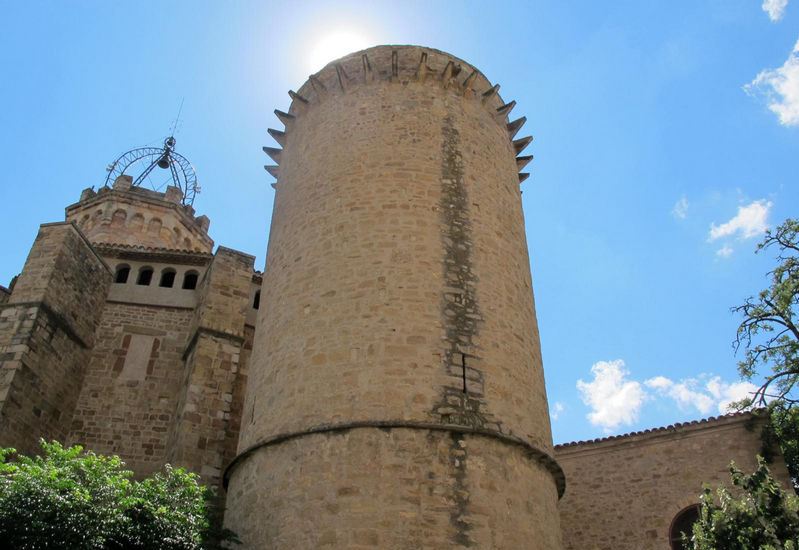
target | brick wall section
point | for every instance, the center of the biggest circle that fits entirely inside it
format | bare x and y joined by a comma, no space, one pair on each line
622,494
397,267
133,383
213,370
46,332
5,294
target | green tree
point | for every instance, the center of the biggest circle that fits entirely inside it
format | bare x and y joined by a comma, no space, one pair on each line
70,499
769,336
757,514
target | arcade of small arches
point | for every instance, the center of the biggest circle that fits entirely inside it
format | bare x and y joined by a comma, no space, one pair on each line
140,225
144,277
166,279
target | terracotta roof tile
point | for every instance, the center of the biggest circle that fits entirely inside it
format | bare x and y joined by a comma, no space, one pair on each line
670,427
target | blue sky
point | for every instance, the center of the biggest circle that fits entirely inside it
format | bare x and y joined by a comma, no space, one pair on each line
666,134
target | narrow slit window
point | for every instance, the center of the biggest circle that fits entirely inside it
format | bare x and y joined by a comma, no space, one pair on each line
122,274
256,302
167,278
190,280
145,276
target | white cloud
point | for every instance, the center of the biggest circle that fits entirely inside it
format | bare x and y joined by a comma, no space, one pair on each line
780,87
690,393
557,408
680,209
725,393
685,393
774,8
613,399
750,221
724,252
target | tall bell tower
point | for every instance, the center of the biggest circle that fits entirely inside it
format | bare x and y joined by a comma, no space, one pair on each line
396,392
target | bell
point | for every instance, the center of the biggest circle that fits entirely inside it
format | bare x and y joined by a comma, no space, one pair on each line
163,162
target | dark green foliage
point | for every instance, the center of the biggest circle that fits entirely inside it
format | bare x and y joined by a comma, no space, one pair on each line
769,336
756,514
71,499
769,332
783,432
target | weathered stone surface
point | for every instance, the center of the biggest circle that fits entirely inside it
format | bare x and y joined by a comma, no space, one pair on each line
47,328
623,493
397,488
139,217
396,395
397,289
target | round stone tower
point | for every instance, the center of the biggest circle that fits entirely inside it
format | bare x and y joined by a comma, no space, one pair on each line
396,394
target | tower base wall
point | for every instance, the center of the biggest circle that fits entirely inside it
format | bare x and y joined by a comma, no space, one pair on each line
393,488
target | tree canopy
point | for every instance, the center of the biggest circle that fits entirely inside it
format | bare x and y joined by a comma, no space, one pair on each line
756,514
67,498
769,337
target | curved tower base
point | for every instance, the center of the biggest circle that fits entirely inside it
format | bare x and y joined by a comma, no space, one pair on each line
393,488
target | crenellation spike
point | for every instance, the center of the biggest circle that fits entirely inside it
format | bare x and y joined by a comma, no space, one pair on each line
491,92
506,109
277,135
273,152
274,171
295,96
421,71
521,162
520,144
318,86
368,75
467,84
523,176
285,118
343,79
446,75
394,66
515,126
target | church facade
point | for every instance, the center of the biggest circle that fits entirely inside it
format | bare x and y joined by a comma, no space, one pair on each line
386,391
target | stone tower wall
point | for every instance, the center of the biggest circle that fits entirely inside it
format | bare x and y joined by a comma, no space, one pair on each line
47,329
396,392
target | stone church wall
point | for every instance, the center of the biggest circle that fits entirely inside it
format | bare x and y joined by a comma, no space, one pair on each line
133,380
46,333
622,493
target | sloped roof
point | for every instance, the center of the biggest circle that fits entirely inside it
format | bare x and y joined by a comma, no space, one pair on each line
664,429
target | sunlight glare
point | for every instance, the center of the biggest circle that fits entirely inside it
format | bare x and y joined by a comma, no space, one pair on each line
334,45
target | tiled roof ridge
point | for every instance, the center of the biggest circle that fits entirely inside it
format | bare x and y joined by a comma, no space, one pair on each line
660,429
142,248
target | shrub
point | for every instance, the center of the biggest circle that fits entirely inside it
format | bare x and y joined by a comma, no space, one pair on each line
68,498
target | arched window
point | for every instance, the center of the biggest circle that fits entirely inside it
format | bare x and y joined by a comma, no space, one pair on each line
119,217
145,276
154,226
190,280
683,523
122,273
256,302
136,222
167,278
